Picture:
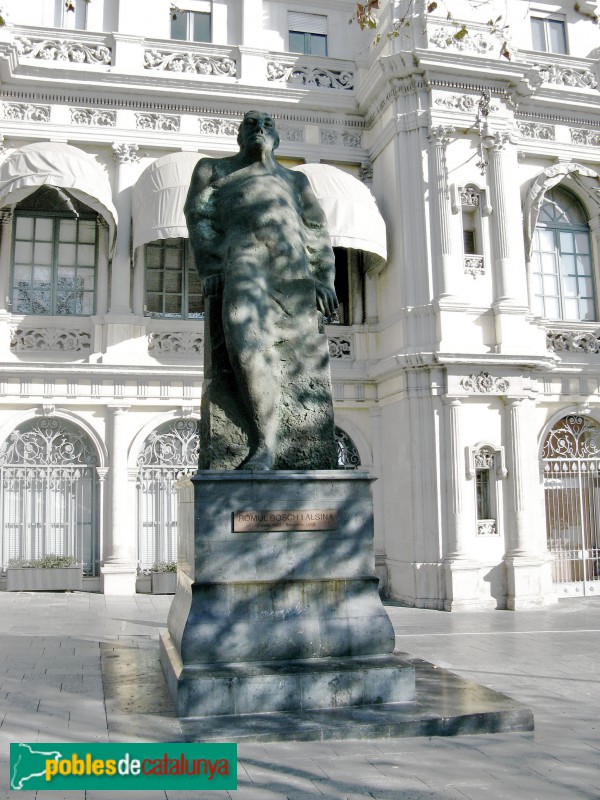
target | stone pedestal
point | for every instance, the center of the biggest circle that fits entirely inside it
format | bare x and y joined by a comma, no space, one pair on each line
283,618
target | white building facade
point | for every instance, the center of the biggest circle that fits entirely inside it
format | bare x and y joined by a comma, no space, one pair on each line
466,355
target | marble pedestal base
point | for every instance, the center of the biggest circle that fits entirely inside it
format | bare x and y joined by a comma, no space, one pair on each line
278,620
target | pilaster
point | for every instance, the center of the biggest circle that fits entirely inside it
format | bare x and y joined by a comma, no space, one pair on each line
445,260
119,569
6,219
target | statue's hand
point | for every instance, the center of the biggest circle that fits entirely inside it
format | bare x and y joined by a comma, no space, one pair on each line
212,285
327,301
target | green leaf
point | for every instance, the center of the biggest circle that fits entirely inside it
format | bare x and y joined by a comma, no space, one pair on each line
460,34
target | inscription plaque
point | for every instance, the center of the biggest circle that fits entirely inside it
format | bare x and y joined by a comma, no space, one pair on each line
303,520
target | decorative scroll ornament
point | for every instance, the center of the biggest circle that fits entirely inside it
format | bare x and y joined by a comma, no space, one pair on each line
93,116
347,452
365,173
573,78
48,442
537,130
310,76
573,437
484,459
484,382
457,102
476,42
486,527
26,111
584,136
474,265
59,339
157,122
63,50
175,343
573,341
126,153
340,347
190,63
289,133
469,197
175,444
346,138
214,126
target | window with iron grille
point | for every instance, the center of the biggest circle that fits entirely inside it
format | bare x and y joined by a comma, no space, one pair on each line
173,288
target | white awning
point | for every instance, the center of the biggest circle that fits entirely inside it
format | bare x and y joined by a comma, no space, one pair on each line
353,218
27,168
159,196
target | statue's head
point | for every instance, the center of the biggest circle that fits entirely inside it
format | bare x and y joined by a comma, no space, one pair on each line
258,128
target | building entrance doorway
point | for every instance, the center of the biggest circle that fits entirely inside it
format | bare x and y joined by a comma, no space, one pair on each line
571,468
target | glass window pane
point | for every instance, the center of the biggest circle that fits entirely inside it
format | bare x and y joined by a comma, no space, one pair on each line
86,278
567,242
587,310
546,240
297,42
551,308
87,231
154,281
172,304
537,34
23,252
556,35
582,243
571,308
173,281
24,228
67,254
549,264
40,302
567,264
570,287
42,253
550,285
202,31
172,258
583,265
68,230
86,255
586,287
44,229
318,44
87,303
153,256
179,25
42,276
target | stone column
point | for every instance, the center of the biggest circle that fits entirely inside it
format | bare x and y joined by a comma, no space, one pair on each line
528,572
126,157
6,218
501,240
462,578
442,212
119,568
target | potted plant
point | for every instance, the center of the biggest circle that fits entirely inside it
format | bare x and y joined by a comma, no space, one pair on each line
52,573
164,577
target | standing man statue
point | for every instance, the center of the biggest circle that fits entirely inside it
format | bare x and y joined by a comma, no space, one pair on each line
261,247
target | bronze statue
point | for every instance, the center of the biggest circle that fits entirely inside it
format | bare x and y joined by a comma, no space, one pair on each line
261,247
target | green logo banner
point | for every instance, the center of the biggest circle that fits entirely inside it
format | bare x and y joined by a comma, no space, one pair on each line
38,766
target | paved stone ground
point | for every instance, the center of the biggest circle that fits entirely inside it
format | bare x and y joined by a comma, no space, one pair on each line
51,690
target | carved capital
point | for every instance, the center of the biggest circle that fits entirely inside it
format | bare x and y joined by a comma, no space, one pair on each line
125,153
439,135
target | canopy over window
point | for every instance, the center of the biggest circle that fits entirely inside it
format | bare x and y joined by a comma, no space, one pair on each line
26,169
353,218
159,196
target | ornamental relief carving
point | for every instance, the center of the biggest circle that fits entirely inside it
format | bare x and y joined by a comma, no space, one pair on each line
126,153
213,126
573,342
150,121
346,138
340,347
63,50
28,339
474,266
310,76
26,111
475,42
485,383
537,130
457,102
190,63
175,343
573,78
585,136
290,133
93,116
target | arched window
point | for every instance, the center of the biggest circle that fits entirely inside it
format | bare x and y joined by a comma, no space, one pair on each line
55,255
347,451
571,468
173,288
169,452
49,493
562,271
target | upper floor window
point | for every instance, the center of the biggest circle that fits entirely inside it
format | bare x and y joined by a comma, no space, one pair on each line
55,255
308,33
549,34
192,25
173,288
562,270
71,14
